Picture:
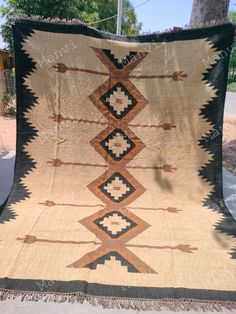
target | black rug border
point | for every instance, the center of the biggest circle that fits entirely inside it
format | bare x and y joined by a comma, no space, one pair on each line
213,112
25,100
120,291
183,34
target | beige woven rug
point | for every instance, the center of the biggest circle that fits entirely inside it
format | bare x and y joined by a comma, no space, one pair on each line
117,196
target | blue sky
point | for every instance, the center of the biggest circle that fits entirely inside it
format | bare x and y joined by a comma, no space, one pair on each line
158,15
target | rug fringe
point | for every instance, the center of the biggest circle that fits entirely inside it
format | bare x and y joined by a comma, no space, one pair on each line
38,18
175,305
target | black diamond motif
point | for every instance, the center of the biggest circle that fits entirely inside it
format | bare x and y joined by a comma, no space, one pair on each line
119,64
110,215
123,112
123,181
129,145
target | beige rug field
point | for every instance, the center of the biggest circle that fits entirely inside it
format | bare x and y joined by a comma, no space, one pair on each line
8,130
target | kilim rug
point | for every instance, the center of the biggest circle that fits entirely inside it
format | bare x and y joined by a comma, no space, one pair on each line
117,197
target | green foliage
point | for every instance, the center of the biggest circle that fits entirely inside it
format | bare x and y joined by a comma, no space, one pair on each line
9,104
130,26
232,66
89,11
232,17
231,87
232,63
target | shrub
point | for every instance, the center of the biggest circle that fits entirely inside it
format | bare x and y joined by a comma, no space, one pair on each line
9,104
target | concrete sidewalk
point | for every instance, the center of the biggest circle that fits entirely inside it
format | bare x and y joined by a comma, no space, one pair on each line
7,133
230,103
18,307
7,161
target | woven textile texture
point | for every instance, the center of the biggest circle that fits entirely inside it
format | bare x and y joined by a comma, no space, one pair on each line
117,196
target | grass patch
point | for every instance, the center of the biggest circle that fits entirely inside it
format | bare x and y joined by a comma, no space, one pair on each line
231,87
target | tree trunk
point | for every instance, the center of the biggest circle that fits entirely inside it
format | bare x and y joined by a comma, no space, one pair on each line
209,12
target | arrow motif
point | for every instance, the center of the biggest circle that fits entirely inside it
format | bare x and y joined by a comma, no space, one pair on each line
176,76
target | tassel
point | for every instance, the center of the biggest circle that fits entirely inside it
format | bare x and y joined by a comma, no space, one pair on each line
176,305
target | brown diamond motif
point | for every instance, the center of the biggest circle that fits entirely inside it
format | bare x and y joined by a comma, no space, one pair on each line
117,145
114,225
118,101
116,188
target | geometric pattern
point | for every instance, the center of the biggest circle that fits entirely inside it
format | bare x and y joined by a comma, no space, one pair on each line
111,224
116,188
119,101
109,256
109,251
115,224
116,145
102,251
117,62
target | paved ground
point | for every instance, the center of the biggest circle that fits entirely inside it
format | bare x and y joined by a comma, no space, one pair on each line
230,191
7,160
18,307
7,155
7,133
230,105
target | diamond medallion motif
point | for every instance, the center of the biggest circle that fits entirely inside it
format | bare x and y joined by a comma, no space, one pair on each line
118,100
115,224
116,188
117,145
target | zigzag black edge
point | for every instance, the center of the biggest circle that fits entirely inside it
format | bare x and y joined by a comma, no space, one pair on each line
26,100
213,112
185,297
